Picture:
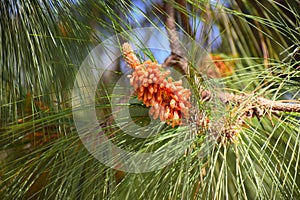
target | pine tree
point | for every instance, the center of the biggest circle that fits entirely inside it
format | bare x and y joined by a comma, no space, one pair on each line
225,96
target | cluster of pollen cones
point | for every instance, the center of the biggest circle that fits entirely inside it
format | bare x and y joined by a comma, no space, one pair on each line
168,100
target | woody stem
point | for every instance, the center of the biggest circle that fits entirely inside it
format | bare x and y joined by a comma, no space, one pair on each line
177,58
289,106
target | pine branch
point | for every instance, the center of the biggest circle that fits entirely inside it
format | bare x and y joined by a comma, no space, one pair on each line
251,106
184,17
171,29
176,59
289,106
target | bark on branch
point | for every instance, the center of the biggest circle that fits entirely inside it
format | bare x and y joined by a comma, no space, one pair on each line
286,106
177,59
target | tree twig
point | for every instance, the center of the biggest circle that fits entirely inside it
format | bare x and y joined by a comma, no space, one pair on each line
279,106
171,29
184,17
176,59
292,106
